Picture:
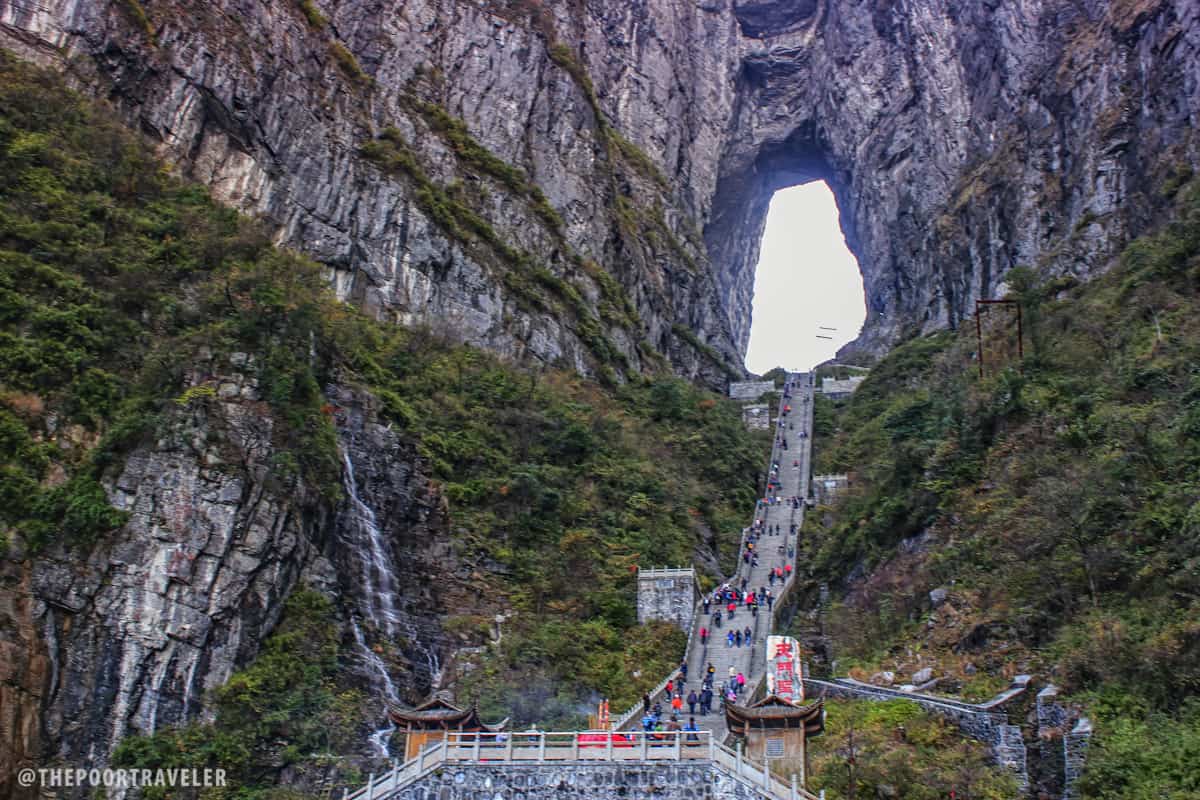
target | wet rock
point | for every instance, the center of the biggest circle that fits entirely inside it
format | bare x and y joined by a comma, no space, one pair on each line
938,596
922,675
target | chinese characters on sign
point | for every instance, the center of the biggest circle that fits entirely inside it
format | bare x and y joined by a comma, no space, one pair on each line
783,669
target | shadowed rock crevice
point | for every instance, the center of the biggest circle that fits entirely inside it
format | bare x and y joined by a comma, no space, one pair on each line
765,17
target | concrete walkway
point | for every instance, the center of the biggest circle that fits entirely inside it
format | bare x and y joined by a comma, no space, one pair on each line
794,480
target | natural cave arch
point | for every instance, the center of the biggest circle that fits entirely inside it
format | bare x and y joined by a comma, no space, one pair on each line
743,197
808,288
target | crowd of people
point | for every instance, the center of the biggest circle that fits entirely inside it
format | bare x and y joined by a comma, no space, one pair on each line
654,716
729,599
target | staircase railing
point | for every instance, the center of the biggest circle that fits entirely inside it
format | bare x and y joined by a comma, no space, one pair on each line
537,747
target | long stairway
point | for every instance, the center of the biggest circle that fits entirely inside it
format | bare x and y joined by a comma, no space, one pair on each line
794,428
536,750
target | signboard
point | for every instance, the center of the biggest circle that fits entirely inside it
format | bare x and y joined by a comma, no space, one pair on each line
783,669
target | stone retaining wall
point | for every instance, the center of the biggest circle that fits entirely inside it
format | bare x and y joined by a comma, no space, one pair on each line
575,781
981,722
1075,745
976,722
667,595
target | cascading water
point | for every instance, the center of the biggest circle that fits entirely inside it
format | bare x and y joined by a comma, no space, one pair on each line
377,598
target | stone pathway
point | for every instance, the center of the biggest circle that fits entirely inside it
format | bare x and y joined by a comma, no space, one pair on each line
794,480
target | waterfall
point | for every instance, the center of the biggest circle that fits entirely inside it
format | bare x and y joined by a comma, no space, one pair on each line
377,595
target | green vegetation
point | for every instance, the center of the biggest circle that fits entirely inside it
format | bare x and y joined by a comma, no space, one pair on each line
316,20
616,145
1138,753
454,131
348,64
391,153
615,306
1061,492
562,55
534,287
117,282
137,15
900,751
566,487
651,225
456,215
778,375
95,332
286,710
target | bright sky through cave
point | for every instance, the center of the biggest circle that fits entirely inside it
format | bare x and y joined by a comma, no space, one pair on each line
806,280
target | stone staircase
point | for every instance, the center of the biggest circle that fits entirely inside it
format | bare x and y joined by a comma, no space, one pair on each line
750,660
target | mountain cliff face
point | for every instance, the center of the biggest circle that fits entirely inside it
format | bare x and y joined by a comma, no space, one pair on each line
582,184
960,141
137,636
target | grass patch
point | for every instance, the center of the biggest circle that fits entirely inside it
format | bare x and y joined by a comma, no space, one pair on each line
316,20
136,14
348,64
478,157
899,750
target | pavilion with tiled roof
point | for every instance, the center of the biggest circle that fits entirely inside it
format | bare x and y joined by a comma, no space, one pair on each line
776,728
430,720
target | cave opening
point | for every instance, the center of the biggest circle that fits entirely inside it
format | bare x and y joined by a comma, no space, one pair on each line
808,288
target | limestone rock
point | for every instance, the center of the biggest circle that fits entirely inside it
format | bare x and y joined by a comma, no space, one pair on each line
960,141
885,678
922,675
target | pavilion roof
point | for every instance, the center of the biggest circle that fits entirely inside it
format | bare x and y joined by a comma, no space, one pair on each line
775,712
439,713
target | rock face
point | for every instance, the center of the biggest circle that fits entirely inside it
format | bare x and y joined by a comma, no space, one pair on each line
960,141
133,635
582,183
